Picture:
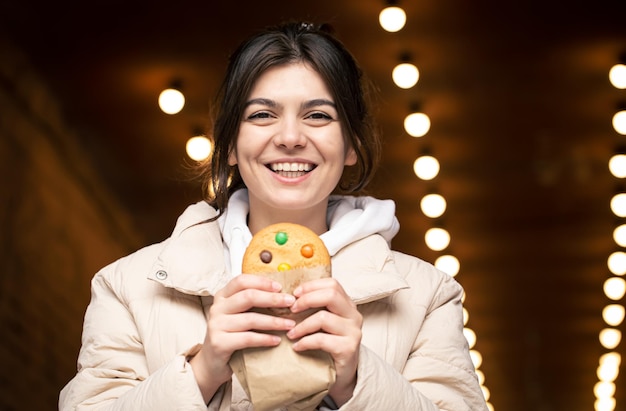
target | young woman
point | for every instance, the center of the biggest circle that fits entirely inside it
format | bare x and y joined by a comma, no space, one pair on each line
293,136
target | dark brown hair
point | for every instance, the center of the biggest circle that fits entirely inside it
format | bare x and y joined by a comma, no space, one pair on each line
287,43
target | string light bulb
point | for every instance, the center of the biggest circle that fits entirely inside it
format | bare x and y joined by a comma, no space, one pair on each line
614,359
607,371
486,392
481,377
477,358
405,75
617,165
433,205
426,167
465,315
604,404
617,76
613,314
619,122
610,338
604,389
437,238
417,124
617,263
470,336
171,101
614,288
392,19
199,148
619,235
449,264
618,204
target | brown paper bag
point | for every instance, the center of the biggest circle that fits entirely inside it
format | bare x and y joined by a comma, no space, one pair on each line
275,377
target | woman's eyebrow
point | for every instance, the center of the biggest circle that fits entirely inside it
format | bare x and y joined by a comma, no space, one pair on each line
261,101
305,106
318,102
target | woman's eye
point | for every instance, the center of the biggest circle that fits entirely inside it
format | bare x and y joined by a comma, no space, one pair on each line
319,116
259,115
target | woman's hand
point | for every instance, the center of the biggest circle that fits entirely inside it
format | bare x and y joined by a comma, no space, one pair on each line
336,329
231,327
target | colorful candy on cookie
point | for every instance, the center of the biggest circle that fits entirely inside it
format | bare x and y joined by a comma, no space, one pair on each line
288,253
283,247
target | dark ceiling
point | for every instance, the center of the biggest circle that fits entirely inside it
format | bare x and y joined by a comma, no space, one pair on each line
520,105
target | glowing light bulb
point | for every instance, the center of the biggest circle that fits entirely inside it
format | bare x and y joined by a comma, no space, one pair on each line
392,19
477,358
405,75
614,288
617,165
617,262
470,336
604,404
486,392
433,205
427,168
619,122
610,338
437,239
481,377
604,389
199,148
448,264
613,314
617,76
619,235
171,101
417,124
618,204
612,359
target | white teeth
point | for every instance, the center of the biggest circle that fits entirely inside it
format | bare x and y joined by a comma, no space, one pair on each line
291,166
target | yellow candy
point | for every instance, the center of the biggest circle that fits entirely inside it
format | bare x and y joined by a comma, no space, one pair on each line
284,267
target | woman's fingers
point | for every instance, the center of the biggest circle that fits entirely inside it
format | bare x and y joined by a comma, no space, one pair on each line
246,281
250,291
251,321
325,293
337,318
324,324
251,298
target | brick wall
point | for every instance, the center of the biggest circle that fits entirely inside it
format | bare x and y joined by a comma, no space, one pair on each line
58,227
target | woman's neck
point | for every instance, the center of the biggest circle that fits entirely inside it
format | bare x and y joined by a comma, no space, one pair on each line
315,219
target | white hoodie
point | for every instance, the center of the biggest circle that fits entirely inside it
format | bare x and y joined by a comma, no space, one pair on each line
349,219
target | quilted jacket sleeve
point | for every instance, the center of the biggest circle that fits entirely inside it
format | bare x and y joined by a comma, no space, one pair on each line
112,369
438,374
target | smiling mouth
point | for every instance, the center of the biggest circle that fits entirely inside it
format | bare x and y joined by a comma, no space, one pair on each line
291,170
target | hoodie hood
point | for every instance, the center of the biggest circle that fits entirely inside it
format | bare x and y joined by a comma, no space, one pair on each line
349,219
353,218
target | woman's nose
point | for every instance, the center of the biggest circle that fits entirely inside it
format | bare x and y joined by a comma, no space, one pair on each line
290,135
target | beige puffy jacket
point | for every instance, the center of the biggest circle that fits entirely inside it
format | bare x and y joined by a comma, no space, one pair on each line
147,313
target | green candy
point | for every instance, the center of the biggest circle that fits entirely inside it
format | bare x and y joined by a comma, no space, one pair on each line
281,238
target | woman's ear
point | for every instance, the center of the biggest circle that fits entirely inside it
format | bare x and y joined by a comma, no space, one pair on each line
350,157
232,158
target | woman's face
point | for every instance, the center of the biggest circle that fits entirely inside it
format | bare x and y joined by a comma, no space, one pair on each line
290,150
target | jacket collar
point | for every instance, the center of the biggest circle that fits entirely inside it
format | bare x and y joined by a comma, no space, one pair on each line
188,262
